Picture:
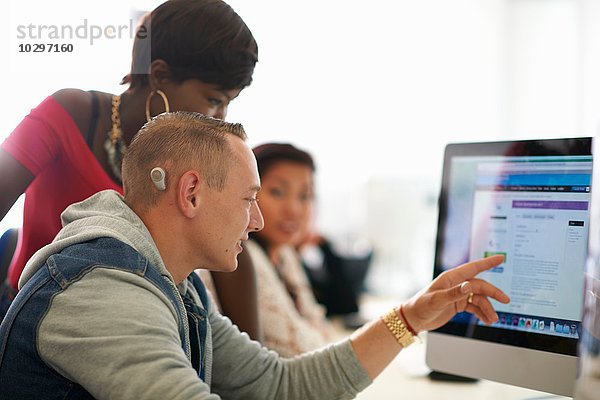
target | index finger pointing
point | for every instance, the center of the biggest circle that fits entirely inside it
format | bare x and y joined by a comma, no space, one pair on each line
471,269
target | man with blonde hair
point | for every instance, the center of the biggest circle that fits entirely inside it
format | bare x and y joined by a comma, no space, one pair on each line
112,309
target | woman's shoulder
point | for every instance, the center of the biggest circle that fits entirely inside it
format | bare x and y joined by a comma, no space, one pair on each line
73,99
78,104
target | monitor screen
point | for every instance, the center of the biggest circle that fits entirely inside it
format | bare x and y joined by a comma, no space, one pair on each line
529,201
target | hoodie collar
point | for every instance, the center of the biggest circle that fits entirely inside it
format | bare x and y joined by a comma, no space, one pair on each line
104,214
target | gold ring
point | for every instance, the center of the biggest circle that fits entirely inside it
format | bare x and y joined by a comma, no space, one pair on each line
470,298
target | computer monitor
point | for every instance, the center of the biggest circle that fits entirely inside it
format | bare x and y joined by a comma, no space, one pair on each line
527,200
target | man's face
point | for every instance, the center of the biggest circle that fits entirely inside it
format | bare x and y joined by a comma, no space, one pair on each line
228,216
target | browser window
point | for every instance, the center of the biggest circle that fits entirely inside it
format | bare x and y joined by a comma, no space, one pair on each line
534,211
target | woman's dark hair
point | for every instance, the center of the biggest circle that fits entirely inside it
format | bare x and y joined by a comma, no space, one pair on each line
269,154
198,39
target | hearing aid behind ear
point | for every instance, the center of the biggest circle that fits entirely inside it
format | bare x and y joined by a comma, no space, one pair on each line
158,178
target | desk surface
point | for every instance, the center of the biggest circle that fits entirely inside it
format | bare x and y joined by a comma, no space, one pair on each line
406,378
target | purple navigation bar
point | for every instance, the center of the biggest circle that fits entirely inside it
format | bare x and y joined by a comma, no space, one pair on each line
552,205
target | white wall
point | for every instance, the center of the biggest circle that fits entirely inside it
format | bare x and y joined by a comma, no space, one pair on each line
374,90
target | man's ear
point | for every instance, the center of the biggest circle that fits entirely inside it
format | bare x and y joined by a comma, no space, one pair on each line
188,193
160,73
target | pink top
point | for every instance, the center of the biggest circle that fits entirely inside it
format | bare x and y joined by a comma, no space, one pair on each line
50,145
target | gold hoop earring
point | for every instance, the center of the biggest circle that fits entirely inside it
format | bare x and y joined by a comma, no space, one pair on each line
164,98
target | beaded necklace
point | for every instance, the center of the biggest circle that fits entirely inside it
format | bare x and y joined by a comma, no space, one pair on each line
114,145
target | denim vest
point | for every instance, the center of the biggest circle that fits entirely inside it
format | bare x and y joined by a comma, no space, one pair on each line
24,375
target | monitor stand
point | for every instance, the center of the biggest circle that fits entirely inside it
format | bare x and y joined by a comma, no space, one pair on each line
444,377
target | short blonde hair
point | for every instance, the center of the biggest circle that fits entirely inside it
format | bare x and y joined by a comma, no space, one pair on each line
177,142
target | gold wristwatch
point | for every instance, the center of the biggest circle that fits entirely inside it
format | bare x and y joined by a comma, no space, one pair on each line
398,328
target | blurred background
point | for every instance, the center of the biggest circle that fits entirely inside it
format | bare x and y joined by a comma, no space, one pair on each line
374,90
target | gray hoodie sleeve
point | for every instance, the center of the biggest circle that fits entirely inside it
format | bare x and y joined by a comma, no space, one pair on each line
121,342
243,369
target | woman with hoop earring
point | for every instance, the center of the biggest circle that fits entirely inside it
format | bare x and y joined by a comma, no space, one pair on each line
71,145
